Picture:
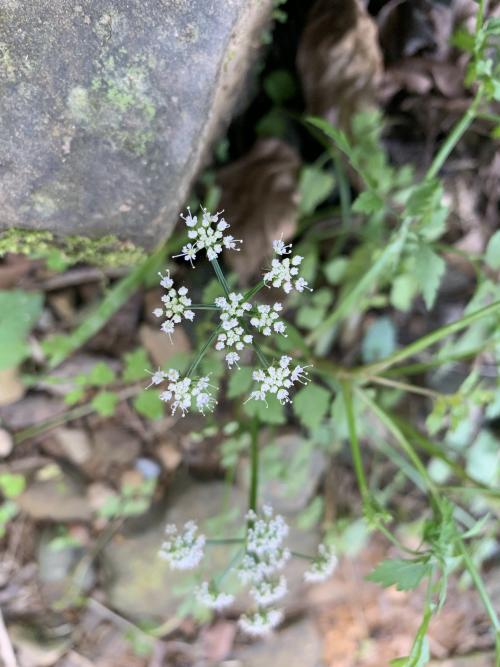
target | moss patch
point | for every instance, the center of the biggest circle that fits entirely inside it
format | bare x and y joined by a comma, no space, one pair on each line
63,252
117,105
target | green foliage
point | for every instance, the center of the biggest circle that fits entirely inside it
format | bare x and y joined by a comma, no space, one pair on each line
315,185
492,256
311,405
149,405
379,340
405,575
104,403
19,312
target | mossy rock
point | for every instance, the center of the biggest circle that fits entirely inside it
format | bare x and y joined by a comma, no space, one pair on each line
108,108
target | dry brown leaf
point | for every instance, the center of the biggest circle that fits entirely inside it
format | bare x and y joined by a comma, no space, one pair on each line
260,199
11,387
160,346
339,61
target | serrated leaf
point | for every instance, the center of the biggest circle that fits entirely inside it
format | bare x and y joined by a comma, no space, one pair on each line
428,271
492,256
404,574
149,405
403,290
368,202
315,185
311,405
104,403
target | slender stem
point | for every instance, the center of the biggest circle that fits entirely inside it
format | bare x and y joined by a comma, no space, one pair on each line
455,135
253,291
404,386
237,556
202,306
254,465
203,351
353,436
220,276
298,554
478,583
426,341
389,422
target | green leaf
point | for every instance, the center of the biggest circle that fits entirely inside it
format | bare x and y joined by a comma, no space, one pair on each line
379,340
404,574
136,363
403,290
239,382
19,312
315,185
492,256
368,202
101,375
12,484
74,396
104,403
420,654
311,405
149,405
335,270
273,413
311,515
280,86
428,271
338,137
273,124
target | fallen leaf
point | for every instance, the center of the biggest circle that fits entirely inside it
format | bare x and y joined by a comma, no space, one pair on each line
11,387
260,199
339,61
6,443
160,346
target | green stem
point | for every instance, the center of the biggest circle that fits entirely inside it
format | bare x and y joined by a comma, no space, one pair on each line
203,351
202,306
427,341
254,465
455,135
353,437
298,554
220,276
253,291
478,583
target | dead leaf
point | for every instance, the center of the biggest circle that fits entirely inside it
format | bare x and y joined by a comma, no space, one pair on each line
6,443
217,640
260,199
339,61
11,387
169,455
160,346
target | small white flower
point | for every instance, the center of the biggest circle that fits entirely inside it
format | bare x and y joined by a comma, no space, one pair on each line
323,566
207,234
269,591
278,380
265,534
157,377
184,393
261,622
209,597
183,551
253,568
268,320
233,337
175,305
284,272
282,248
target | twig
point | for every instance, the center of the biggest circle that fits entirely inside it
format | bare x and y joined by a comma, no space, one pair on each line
6,651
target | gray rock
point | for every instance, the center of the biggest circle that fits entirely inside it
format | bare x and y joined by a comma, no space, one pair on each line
56,499
108,107
140,584
298,645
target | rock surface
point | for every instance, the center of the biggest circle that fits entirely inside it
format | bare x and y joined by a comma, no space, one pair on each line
298,645
108,107
140,584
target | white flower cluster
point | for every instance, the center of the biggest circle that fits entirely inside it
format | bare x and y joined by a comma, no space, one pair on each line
323,566
208,596
183,393
260,568
183,551
261,622
268,320
265,556
208,234
233,334
284,272
175,305
278,380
